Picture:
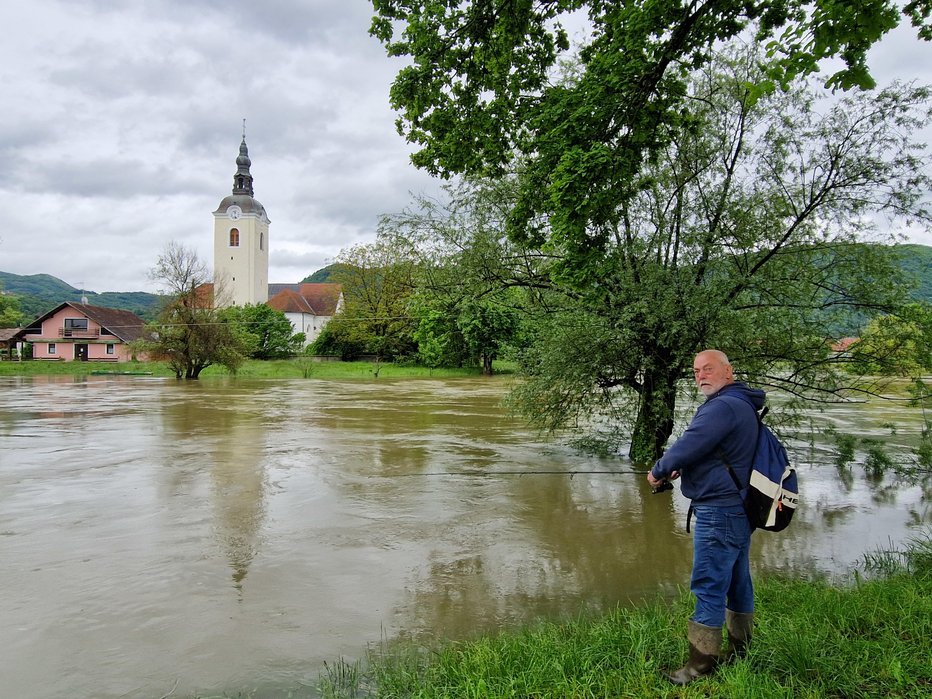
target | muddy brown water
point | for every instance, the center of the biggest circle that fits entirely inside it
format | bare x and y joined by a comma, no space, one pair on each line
230,534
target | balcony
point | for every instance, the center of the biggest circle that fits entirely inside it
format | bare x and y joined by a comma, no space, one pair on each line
79,333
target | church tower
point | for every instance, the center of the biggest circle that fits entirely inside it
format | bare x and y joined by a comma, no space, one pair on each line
241,242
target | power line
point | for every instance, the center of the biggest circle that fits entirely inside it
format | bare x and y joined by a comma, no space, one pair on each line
534,472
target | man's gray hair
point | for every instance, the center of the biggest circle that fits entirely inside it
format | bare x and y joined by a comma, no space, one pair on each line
718,354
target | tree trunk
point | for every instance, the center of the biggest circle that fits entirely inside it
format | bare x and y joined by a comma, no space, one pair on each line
654,422
487,364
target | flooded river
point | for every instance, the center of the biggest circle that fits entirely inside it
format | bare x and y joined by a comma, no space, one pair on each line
223,535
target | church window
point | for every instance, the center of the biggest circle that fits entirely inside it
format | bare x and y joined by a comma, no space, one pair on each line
262,240
234,237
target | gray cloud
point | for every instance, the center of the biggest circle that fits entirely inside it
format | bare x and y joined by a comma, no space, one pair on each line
122,121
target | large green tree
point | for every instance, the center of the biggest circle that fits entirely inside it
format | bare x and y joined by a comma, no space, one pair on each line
744,235
190,333
10,314
378,281
473,282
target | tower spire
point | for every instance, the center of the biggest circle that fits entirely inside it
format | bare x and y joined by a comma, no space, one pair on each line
242,180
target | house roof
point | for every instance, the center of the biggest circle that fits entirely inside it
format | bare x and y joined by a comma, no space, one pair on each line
125,325
289,301
275,289
7,334
322,297
843,344
316,299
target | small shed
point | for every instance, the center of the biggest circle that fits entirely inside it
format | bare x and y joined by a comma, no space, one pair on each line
8,342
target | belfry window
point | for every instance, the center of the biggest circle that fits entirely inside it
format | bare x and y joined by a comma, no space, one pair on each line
262,241
234,237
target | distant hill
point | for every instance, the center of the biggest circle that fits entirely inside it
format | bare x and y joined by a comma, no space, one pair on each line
916,261
40,293
324,274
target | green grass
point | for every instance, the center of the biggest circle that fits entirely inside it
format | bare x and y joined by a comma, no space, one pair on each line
870,638
297,368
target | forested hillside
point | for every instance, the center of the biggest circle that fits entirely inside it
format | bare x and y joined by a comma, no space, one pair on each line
916,261
323,275
39,293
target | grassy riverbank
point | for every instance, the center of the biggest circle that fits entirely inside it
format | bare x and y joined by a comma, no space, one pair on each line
869,638
299,367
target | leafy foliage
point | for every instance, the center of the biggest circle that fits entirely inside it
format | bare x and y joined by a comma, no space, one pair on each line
744,236
378,281
473,283
272,336
191,334
477,90
10,315
896,344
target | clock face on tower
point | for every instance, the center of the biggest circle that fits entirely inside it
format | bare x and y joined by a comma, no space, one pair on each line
234,212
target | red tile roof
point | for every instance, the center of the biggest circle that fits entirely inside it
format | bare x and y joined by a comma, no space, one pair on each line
843,344
289,301
315,299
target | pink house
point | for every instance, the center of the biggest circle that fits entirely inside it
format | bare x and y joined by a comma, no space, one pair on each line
75,331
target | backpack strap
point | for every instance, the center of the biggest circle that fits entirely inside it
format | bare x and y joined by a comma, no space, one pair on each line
731,471
721,452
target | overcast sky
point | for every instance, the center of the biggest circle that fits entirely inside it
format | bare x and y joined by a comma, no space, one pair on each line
122,120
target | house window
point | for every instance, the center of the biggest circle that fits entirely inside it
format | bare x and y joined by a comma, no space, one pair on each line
110,349
234,237
51,348
75,323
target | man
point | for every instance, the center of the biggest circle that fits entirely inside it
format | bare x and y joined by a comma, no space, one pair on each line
724,427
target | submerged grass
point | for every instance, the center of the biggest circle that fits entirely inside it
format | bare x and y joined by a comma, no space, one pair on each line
869,638
296,368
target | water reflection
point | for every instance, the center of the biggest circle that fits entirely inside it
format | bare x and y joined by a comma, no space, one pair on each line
231,533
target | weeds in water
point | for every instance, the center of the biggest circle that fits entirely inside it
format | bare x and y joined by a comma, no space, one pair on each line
924,450
878,461
600,444
844,449
920,397
342,679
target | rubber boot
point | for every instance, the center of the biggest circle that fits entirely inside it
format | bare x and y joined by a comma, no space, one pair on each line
739,627
705,647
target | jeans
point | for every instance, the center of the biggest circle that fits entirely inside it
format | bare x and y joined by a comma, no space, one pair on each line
721,563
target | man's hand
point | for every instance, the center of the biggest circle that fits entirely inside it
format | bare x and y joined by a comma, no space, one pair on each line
661,485
655,482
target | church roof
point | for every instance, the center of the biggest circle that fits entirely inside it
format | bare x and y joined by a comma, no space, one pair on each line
323,297
314,299
289,301
249,204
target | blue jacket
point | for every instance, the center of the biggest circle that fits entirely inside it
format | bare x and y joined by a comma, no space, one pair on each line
724,422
